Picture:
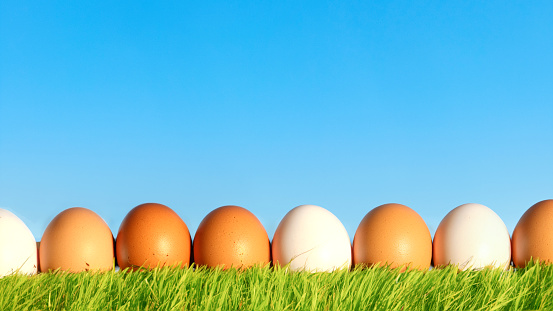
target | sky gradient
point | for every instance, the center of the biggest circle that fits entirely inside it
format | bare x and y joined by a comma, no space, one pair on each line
271,105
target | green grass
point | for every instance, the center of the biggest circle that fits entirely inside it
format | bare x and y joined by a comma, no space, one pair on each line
275,289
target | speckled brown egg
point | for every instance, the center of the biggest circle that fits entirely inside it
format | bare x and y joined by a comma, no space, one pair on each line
395,235
76,240
533,235
152,235
231,236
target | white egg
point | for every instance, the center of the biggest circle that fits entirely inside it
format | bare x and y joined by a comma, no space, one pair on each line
472,236
17,246
311,238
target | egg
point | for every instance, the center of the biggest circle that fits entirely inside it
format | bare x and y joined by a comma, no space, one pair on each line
76,240
152,235
17,246
472,236
395,235
311,238
533,235
231,236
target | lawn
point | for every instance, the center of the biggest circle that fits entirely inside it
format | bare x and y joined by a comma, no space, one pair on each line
276,289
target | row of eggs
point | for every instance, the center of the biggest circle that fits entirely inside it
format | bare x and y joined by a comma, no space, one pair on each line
308,238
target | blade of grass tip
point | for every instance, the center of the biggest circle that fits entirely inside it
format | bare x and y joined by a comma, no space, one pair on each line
118,281
143,296
383,287
127,288
179,296
337,286
220,289
526,287
313,289
538,292
259,299
506,280
340,288
396,289
228,284
360,288
8,285
349,296
103,290
36,294
210,288
196,287
304,288
11,295
159,286
542,281
407,288
99,292
289,281
52,298
268,289
359,299
547,287
372,287
273,287
60,299
488,289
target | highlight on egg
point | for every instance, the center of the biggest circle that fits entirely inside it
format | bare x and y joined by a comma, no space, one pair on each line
76,240
533,235
393,235
231,236
18,252
152,235
311,238
472,236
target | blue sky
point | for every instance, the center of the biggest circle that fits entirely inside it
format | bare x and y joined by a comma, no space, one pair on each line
271,105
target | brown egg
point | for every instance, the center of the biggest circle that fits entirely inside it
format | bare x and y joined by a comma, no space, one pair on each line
393,234
231,236
152,235
76,240
533,235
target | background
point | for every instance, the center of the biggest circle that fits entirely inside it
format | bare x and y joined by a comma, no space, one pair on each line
271,105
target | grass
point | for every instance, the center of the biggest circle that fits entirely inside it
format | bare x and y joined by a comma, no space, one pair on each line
276,289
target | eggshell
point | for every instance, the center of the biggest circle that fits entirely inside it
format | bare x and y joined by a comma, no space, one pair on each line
231,236
311,238
76,240
472,236
17,246
533,235
395,235
152,235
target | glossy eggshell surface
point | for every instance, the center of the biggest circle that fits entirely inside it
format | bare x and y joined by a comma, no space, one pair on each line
152,235
231,236
395,235
472,236
533,235
311,238
76,240
17,246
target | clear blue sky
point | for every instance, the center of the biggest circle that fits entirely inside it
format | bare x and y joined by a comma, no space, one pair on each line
269,105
